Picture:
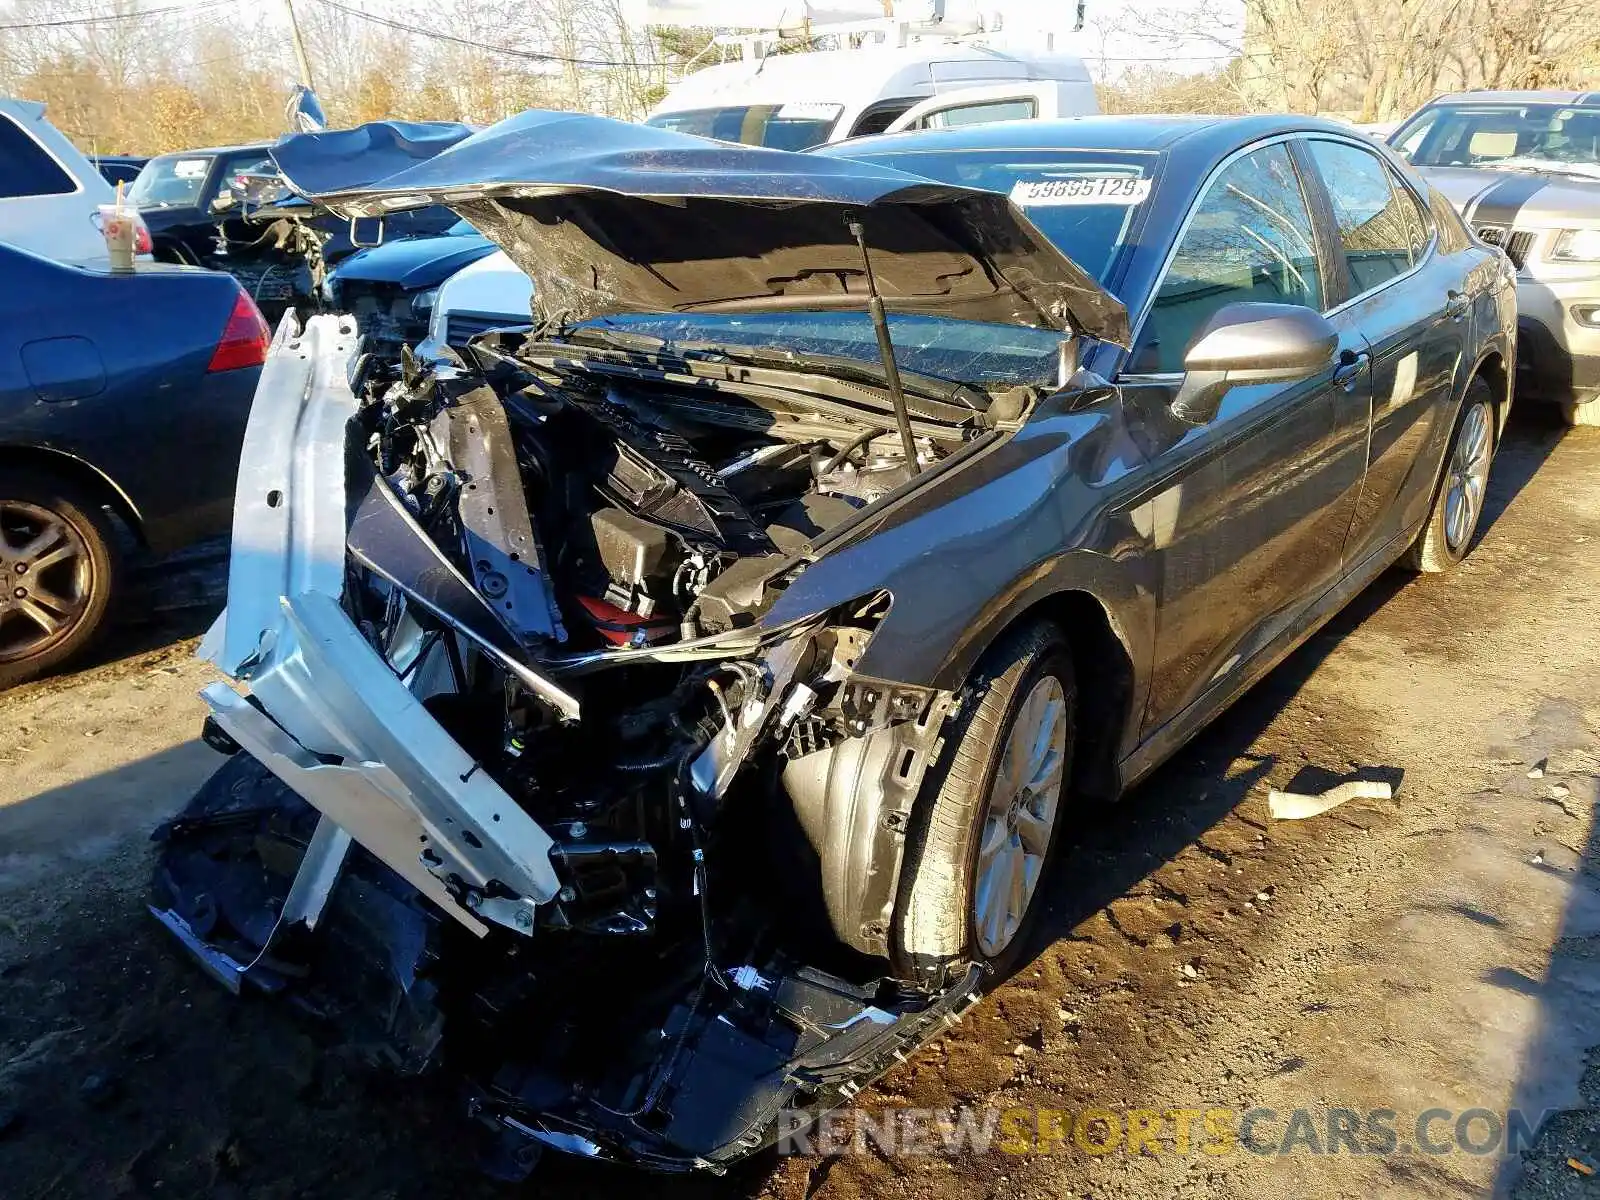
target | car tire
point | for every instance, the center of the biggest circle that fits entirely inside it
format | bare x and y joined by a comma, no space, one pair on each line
1581,413
980,803
1448,533
58,562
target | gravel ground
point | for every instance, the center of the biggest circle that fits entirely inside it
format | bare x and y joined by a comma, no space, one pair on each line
1436,950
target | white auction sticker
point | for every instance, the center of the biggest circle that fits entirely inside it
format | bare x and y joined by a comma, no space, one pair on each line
1080,189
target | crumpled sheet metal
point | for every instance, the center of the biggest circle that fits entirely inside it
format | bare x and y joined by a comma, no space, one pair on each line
344,731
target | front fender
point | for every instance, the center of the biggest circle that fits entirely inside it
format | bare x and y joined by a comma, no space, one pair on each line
1033,515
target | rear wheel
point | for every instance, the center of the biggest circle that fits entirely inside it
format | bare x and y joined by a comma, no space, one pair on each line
987,825
57,572
1457,508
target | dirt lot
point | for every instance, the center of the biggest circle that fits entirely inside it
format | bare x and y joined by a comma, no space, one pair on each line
1436,950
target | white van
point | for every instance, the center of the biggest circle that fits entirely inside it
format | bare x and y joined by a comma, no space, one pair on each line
50,194
795,101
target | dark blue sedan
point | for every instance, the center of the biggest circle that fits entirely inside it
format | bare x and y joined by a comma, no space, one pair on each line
119,394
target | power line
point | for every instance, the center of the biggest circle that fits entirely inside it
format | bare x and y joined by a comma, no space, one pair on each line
108,18
510,51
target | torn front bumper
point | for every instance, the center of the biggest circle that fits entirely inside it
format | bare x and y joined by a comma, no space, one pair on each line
726,1067
638,1050
325,713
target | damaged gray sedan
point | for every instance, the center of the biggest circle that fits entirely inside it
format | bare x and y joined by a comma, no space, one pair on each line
663,718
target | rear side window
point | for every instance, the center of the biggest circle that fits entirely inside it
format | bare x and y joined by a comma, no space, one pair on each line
1018,109
1413,219
26,167
1377,226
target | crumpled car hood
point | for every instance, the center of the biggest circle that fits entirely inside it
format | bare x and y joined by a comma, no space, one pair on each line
608,217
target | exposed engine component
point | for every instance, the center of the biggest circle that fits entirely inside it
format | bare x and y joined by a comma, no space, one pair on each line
867,481
651,544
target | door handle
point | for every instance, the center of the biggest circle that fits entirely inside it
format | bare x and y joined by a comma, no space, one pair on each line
1349,370
1455,305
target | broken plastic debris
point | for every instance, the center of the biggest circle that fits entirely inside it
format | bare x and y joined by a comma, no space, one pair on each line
1297,806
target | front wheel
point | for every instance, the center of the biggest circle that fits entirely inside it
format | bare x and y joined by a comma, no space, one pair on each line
1458,506
57,572
987,824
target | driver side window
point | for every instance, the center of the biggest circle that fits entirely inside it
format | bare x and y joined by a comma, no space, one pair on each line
1251,240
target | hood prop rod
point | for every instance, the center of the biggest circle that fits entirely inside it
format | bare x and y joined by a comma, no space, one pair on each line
891,370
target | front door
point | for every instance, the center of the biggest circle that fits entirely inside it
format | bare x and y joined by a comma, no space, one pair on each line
1241,562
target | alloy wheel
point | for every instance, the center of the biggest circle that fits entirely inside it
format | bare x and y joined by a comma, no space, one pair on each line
1469,478
46,579
1020,816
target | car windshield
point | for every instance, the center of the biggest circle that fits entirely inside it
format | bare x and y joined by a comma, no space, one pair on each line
797,125
1505,137
170,182
973,352
1085,202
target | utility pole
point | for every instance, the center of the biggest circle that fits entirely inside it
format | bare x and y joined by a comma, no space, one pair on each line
299,47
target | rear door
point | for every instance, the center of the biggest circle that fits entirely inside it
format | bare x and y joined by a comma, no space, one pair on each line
1409,305
1249,521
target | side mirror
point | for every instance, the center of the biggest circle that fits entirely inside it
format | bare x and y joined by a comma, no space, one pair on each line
1251,343
223,202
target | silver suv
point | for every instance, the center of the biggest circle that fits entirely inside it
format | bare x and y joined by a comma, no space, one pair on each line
50,193
1524,170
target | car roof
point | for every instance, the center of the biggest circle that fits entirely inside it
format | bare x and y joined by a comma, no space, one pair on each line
1577,99
1135,133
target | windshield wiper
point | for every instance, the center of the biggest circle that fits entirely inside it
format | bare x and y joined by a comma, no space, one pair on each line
853,370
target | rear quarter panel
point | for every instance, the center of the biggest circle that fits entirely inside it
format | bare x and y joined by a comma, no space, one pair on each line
111,370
